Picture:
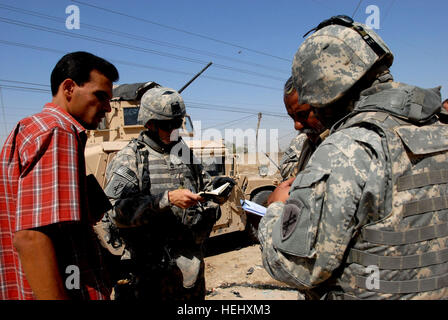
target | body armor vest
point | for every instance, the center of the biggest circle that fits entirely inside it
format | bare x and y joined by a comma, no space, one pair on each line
164,241
162,170
404,255
176,168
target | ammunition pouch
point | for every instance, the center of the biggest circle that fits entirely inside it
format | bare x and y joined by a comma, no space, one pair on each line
190,268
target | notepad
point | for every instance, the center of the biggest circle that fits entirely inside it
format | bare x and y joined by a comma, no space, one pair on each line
253,207
215,192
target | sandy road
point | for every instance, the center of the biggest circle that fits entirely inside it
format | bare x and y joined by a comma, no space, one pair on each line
234,271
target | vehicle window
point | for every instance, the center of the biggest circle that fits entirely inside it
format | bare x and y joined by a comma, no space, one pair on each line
188,124
130,115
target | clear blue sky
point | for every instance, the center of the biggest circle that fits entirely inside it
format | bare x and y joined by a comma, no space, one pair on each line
251,44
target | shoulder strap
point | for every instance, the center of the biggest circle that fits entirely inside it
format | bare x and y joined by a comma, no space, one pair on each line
195,169
142,166
382,120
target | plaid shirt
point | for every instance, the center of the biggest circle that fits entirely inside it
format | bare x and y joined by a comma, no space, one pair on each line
42,185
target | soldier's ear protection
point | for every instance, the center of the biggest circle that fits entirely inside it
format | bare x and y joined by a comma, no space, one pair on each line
348,22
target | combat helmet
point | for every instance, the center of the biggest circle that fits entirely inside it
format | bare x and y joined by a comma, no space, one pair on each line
161,103
330,61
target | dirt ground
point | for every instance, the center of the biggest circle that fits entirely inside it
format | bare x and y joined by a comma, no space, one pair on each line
234,271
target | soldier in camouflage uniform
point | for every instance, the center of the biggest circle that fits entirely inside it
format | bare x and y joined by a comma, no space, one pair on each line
445,104
312,132
368,216
153,184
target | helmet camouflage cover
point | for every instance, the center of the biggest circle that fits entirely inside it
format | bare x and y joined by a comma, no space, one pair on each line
331,61
161,104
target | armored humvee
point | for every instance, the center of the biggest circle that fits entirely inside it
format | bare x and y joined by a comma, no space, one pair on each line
120,126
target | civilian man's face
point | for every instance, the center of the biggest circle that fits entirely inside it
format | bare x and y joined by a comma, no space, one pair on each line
90,101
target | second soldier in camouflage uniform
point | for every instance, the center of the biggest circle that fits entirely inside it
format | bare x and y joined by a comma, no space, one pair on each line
368,216
153,183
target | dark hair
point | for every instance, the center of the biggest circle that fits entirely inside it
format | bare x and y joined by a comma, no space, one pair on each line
445,101
77,66
289,87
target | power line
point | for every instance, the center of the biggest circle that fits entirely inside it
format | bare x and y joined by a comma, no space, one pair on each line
23,45
198,104
131,47
288,134
21,115
244,104
22,82
228,122
140,38
387,11
357,7
180,30
325,4
23,108
233,109
192,105
28,46
19,88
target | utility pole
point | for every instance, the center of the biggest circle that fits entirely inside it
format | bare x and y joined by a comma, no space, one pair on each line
256,135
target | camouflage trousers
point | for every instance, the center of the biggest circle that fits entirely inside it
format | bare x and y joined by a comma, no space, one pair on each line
161,285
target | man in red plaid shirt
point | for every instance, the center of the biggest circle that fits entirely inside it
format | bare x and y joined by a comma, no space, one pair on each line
47,246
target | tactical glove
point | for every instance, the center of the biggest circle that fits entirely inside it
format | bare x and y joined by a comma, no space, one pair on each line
219,181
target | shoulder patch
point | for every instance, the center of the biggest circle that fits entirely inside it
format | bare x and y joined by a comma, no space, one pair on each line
120,179
290,217
126,173
290,233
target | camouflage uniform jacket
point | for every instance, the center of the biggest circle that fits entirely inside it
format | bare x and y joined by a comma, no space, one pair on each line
354,206
298,154
290,158
138,180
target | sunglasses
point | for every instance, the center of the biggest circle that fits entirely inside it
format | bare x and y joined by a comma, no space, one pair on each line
348,22
169,125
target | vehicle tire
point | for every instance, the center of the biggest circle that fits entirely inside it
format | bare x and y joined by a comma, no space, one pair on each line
261,197
253,220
